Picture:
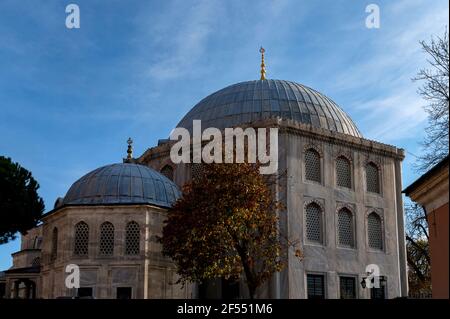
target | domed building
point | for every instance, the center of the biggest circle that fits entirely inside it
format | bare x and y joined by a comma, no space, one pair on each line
342,198
107,224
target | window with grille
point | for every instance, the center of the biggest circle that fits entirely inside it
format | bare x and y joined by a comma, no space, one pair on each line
132,238
315,286
312,165
343,172
37,242
375,232
36,262
54,251
372,178
106,239
347,286
379,293
346,235
196,170
314,223
167,171
81,247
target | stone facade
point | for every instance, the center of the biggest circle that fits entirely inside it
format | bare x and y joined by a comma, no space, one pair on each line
314,133
148,273
295,191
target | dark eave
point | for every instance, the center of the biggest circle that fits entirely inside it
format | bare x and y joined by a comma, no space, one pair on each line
436,168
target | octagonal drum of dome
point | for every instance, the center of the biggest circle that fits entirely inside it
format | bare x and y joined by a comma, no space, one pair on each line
123,183
250,101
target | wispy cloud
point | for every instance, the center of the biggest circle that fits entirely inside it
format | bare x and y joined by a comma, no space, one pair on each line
178,36
390,107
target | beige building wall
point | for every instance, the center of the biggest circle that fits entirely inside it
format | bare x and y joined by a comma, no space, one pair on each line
149,274
294,191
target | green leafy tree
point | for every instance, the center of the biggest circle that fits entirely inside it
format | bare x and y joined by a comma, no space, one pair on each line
20,205
225,225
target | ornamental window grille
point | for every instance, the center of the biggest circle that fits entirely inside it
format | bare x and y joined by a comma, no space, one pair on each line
132,238
36,262
167,171
343,172
196,170
379,293
372,178
346,234
347,287
81,247
375,232
106,239
316,286
312,166
314,223
54,251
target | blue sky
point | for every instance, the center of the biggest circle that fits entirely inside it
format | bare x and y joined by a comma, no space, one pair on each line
70,98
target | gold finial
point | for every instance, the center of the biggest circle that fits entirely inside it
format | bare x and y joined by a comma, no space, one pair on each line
263,66
130,149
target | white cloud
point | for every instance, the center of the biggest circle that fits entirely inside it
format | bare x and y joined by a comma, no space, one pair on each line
397,109
182,37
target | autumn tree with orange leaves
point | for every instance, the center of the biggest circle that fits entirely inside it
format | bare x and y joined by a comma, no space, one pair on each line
225,225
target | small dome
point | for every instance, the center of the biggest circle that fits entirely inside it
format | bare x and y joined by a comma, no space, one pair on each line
123,183
250,101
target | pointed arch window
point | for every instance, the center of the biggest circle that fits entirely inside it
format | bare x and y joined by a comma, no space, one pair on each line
106,239
54,251
375,231
312,166
343,172
314,223
372,178
167,171
346,232
132,238
81,246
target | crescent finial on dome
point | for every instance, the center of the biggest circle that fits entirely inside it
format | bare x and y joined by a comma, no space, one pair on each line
129,149
263,66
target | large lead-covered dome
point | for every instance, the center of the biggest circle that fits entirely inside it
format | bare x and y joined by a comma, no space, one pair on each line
123,183
260,99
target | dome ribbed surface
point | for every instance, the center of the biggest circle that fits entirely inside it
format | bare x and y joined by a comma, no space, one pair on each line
123,183
250,101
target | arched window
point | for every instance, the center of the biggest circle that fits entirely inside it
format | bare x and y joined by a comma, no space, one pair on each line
36,242
346,233
54,251
81,247
312,166
132,238
106,239
375,231
314,223
372,178
343,172
36,262
167,171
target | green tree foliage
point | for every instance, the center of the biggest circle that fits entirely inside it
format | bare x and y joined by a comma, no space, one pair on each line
225,225
20,205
